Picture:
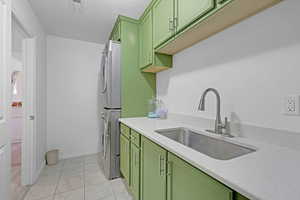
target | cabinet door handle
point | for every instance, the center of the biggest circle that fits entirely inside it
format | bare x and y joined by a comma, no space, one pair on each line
171,24
175,22
161,165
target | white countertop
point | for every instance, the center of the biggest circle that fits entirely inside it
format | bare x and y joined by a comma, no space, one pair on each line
270,173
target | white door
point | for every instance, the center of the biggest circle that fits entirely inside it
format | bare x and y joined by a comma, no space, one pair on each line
29,145
5,53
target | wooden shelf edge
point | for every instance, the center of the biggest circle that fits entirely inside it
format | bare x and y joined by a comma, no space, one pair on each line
154,69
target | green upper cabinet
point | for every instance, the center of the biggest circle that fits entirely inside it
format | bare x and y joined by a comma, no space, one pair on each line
187,11
149,60
137,87
196,20
153,171
186,182
116,33
146,51
163,21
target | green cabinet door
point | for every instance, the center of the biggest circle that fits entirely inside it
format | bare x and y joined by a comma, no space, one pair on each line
163,21
186,182
125,158
190,10
146,50
135,172
142,51
153,171
239,197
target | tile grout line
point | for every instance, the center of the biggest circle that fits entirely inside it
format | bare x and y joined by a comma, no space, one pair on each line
86,163
84,166
60,174
59,178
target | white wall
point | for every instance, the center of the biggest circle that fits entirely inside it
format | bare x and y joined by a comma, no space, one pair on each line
27,18
254,65
16,64
72,100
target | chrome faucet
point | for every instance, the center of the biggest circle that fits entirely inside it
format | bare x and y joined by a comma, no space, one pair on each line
219,126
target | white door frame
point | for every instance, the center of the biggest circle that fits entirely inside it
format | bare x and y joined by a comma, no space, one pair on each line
29,144
5,57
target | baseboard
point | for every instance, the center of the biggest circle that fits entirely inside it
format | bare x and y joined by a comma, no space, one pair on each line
77,155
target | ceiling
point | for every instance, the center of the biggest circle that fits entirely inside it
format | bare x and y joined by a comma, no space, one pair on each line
92,23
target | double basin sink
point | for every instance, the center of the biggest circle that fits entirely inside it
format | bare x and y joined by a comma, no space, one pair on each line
210,146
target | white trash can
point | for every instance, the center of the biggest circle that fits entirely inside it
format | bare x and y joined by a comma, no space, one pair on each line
52,157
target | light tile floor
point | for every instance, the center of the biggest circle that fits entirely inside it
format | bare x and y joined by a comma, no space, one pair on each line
17,190
77,179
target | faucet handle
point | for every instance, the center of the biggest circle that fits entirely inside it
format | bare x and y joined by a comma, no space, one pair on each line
226,128
226,121
225,125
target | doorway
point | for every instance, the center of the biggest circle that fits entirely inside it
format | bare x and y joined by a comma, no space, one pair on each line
21,124
15,125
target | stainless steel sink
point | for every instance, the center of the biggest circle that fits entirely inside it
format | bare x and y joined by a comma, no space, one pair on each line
213,147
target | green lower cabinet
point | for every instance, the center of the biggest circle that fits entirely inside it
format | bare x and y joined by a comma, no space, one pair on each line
153,171
186,182
125,158
237,196
135,172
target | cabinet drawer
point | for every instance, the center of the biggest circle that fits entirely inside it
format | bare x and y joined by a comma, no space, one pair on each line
135,138
125,130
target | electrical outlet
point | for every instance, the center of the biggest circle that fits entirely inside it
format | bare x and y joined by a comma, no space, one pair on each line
292,105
